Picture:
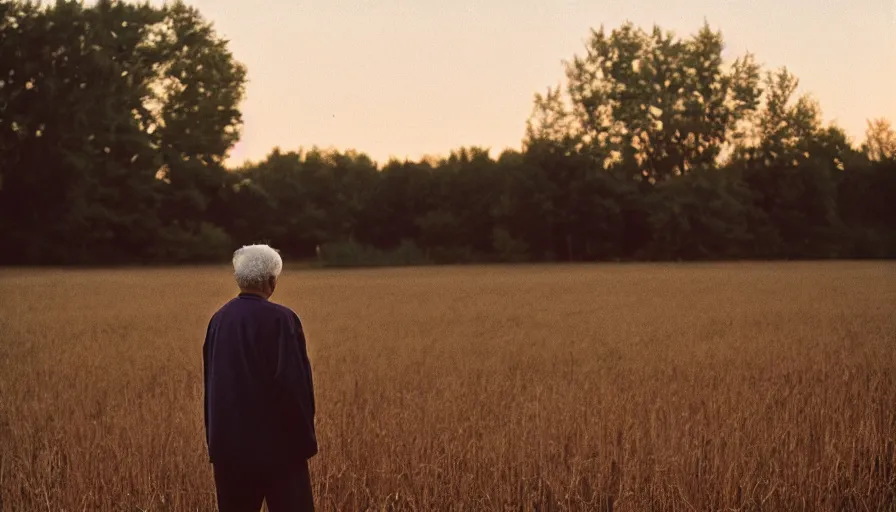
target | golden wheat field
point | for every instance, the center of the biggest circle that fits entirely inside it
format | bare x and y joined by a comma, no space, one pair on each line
623,387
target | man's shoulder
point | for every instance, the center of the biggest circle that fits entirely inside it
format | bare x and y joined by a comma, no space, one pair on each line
286,311
237,307
222,309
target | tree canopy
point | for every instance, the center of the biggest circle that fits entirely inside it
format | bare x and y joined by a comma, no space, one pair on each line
116,120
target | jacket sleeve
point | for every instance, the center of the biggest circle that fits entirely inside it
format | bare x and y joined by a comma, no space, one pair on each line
303,346
293,373
206,348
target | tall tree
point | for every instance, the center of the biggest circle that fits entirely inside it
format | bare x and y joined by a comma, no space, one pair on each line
78,166
791,172
653,105
109,126
194,120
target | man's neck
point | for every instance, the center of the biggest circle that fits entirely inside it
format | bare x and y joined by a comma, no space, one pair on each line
256,293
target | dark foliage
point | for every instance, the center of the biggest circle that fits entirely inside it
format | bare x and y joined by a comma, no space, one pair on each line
116,118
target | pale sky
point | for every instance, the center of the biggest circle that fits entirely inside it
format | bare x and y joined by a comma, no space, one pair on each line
411,78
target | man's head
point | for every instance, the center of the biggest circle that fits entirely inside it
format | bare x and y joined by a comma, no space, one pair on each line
256,268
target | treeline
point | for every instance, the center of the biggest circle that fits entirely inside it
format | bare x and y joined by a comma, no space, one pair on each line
547,205
115,121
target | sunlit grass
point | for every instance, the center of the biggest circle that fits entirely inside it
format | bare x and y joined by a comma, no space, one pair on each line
648,387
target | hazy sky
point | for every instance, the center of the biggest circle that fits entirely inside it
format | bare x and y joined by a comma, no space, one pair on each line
414,77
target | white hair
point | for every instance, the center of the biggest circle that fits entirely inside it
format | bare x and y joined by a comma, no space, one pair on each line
255,264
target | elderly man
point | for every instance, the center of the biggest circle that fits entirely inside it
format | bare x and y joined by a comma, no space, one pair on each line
259,395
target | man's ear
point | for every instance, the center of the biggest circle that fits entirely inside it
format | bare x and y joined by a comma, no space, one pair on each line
272,283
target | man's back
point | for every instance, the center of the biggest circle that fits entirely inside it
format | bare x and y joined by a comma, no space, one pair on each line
259,396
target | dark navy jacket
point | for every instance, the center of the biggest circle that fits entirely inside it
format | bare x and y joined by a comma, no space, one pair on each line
259,394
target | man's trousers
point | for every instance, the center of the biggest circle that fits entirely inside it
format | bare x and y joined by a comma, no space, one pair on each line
284,490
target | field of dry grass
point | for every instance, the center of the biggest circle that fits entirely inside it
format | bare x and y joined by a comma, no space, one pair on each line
641,387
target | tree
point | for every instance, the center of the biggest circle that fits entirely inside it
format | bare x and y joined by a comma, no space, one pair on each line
112,138
78,167
652,105
704,215
468,188
193,117
786,128
791,172
880,140
402,194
